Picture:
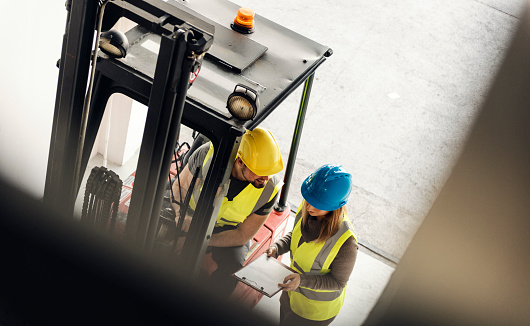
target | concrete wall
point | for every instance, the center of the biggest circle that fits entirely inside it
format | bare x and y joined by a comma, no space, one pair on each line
122,126
32,41
28,83
120,134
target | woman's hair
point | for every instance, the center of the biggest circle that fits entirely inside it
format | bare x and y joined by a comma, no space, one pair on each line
330,224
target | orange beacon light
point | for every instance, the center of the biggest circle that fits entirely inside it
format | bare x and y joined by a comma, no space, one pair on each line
244,21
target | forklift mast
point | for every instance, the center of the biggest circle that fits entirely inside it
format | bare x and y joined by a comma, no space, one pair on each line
183,62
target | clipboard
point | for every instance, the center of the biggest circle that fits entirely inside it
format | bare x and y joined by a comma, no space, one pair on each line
263,275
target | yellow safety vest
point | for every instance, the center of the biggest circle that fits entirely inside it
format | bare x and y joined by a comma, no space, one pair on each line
314,258
248,201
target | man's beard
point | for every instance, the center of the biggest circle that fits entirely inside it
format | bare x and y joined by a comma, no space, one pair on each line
258,185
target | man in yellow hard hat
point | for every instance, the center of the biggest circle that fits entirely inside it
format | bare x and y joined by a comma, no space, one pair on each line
248,199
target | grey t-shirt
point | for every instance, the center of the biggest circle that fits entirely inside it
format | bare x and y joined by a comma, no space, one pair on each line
235,186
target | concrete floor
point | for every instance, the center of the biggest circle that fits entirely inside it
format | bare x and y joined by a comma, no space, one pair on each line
393,104
395,101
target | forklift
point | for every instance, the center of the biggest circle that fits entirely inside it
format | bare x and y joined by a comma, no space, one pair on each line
186,61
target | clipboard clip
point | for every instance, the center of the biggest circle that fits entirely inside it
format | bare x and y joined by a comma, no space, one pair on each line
254,284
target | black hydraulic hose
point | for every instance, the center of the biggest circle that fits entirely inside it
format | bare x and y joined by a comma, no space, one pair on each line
184,205
172,195
177,159
88,97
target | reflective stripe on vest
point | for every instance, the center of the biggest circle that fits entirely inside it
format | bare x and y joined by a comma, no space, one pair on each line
247,202
315,259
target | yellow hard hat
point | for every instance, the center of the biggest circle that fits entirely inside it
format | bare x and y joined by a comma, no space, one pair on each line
260,152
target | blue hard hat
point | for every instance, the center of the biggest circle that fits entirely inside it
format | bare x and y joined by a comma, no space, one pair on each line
328,188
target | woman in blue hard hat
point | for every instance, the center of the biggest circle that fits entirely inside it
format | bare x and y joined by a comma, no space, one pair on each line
323,250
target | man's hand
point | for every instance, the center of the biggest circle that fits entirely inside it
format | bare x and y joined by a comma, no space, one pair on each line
290,283
240,236
185,224
180,188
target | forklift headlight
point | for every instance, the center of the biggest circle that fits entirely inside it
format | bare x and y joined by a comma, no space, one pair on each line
243,103
114,43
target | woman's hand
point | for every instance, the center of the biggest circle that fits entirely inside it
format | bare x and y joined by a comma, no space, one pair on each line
290,282
272,252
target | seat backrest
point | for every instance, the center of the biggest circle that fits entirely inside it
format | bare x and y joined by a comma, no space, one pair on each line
198,140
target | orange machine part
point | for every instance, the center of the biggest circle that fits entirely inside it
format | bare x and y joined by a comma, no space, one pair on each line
245,18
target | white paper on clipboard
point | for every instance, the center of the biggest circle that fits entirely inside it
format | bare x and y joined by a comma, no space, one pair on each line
263,274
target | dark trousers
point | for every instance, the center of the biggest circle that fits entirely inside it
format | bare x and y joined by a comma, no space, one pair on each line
228,260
